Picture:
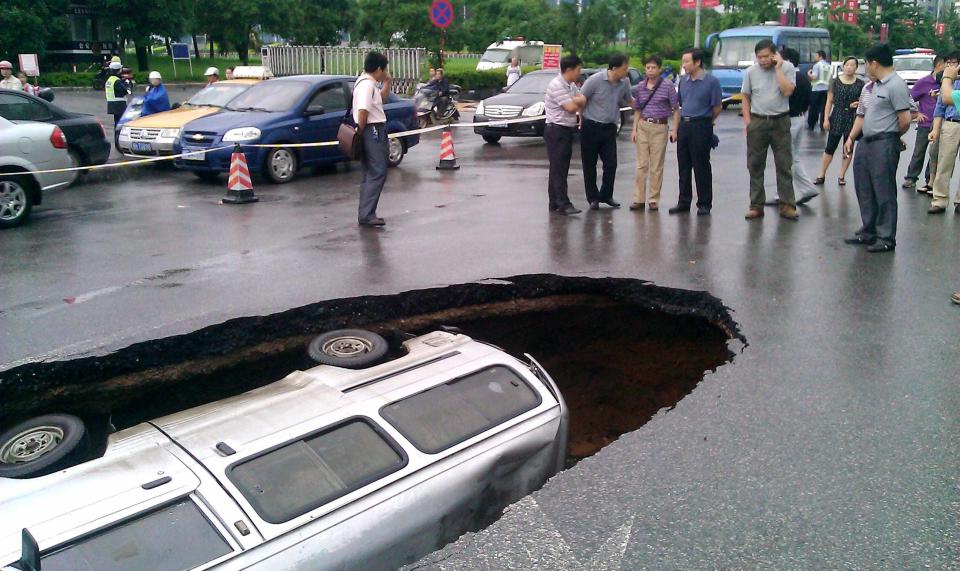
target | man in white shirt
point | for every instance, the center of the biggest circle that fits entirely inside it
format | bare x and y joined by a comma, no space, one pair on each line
369,93
9,81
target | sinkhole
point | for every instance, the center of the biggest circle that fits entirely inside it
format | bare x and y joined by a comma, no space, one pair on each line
619,349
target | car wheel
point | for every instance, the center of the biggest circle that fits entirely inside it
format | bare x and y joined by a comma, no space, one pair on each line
281,165
348,348
492,139
397,152
207,176
76,160
16,200
41,445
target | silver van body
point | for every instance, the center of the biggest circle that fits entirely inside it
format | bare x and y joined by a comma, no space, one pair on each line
203,469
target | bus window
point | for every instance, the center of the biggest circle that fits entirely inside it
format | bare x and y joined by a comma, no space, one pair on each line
733,50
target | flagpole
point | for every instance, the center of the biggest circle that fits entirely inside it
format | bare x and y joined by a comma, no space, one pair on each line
696,27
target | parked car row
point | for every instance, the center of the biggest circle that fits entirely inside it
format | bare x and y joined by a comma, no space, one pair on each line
358,463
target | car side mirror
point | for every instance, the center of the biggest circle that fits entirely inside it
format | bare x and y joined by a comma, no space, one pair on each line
46,94
314,110
175,105
29,552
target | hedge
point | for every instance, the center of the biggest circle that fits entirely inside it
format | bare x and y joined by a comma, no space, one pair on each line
490,79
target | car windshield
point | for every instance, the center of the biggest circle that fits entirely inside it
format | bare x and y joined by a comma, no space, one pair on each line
217,94
532,83
913,64
497,55
270,96
731,51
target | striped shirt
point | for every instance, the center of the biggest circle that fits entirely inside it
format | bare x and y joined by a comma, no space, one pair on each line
559,93
661,103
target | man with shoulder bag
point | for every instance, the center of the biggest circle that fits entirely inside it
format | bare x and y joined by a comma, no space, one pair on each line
371,89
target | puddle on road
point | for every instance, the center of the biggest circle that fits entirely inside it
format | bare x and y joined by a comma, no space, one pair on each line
620,350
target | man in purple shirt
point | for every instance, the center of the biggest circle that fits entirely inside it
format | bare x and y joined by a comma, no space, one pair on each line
655,101
924,92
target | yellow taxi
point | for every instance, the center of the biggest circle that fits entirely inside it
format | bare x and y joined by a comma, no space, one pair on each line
155,134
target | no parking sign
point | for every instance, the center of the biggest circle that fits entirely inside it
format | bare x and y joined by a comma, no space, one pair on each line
441,13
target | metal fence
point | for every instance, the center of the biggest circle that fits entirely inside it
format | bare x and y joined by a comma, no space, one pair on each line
337,60
458,55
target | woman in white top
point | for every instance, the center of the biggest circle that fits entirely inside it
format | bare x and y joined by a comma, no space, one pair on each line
513,71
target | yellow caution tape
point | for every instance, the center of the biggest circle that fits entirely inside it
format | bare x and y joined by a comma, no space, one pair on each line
286,145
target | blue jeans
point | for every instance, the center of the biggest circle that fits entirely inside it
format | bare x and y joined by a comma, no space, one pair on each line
376,150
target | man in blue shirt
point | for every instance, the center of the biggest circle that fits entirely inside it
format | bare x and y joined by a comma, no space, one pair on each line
700,102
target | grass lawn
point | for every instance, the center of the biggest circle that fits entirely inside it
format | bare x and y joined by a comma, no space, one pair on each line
163,64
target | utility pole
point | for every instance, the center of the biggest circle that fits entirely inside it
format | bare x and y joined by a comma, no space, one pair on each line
696,27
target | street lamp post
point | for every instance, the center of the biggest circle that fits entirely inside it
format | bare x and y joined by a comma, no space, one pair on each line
696,27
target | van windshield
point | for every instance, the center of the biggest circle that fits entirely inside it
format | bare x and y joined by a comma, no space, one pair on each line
496,55
913,64
731,51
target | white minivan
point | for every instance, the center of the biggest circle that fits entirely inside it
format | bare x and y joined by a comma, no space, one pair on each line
498,54
367,467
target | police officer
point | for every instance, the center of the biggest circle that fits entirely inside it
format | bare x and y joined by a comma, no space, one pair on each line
116,90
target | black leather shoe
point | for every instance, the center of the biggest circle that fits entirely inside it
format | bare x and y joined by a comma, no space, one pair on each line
373,222
612,203
881,246
956,209
703,211
594,205
936,210
678,209
569,210
858,240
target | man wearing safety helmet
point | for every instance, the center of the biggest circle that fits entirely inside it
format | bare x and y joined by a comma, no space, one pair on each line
212,74
9,81
116,91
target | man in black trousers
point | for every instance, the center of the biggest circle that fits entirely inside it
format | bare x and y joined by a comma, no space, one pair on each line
700,104
606,92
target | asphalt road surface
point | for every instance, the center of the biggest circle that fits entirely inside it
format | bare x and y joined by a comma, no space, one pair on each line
831,440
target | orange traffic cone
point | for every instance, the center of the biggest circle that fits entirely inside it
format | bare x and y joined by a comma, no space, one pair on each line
239,186
448,159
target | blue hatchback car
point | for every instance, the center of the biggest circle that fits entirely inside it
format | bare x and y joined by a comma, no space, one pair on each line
296,109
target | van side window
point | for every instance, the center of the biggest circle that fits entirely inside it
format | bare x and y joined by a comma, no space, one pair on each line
448,414
301,476
172,538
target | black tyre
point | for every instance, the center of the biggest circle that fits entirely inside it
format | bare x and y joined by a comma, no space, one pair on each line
16,199
42,445
207,176
348,348
397,151
492,139
280,165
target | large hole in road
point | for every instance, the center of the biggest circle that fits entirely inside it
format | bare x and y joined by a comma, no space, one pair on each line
619,349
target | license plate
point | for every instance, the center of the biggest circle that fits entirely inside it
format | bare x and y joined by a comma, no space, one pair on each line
191,155
497,124
142,147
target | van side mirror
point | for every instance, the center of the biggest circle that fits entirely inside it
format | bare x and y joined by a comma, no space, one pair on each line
29,552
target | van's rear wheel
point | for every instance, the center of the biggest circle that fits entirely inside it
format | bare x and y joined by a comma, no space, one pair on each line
348,348
41,445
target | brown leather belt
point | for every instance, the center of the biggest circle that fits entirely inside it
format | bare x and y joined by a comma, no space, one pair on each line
777,116
656,121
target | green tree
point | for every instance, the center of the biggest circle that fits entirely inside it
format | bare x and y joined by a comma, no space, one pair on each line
29,24
319,22
138,20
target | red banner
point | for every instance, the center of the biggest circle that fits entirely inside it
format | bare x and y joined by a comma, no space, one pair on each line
692,4
939,28
551,56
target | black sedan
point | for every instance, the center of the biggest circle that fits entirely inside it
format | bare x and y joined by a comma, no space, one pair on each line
521,100
86,140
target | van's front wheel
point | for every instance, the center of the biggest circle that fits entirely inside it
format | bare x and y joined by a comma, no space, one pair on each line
41,445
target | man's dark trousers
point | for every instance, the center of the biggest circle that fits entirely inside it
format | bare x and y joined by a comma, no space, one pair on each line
875,181
919,154
598,140
559,140
694,139
818,104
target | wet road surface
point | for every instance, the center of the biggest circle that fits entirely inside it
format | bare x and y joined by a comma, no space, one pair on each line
831,441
